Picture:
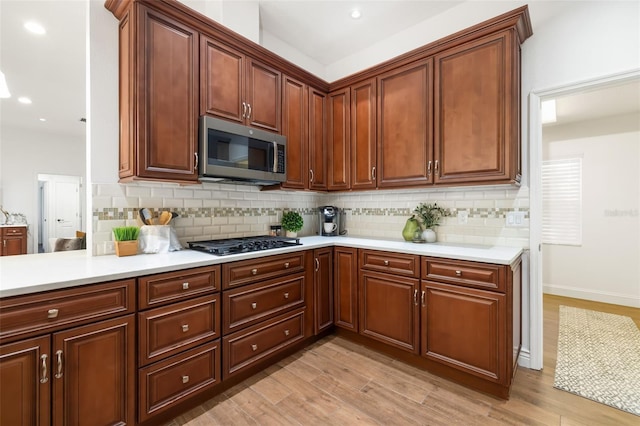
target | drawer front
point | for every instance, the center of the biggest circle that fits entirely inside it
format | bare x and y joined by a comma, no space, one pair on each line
17,231
248,271
461,272
250,304
248,347
170,329
393,263
22,316
169,382
162,289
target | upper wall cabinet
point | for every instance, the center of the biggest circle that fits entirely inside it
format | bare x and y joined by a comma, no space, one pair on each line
338,134
477,111
238,88
158,97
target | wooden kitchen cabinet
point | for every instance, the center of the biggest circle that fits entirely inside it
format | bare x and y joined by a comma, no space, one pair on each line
338,140
477,111
323,289
346,287
14,240
363,135
158,97
317,140
405,132
235,87
57,346
295,128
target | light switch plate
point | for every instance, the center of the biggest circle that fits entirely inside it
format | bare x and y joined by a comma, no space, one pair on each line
515,219
463,217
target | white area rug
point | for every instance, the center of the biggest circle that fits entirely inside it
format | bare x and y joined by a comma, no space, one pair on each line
599,358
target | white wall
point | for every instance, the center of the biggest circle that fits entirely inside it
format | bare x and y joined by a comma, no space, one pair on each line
606,267
27,153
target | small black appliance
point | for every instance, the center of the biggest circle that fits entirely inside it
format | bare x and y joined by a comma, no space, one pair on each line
330,221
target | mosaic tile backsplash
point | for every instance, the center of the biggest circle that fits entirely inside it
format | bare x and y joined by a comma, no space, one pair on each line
210,210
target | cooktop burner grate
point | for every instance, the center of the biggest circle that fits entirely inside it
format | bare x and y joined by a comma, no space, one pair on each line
228,246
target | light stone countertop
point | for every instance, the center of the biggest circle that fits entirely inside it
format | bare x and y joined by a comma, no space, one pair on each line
32,273
6,225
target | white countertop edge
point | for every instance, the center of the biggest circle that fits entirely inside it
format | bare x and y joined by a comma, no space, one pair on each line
27,274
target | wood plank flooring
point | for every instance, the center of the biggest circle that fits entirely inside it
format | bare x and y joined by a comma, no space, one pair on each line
337,382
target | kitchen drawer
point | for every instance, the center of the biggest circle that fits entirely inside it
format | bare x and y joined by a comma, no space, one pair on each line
161,289
461,272
23,316
169,382
250,304
170,329
393,263
249,271
18,231
248,347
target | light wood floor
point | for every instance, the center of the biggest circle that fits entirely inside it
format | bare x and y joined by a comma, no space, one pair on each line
337,382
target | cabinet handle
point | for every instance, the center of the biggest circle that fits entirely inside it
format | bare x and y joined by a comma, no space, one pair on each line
59,356
185,328
52,313
185,286
254,305
286,265
195,167
185,379
429,169
373,173
415,297
422,297
386,263
249,114
244,110
254,271
4,242
437,167
317,264
43,368
286,332
310,175
458,273
254,347
286,295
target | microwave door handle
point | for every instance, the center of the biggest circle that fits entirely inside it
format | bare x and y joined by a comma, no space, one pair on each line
275,157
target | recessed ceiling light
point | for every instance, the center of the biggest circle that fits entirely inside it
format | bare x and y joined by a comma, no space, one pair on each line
43,119
24,100
355,14
34,27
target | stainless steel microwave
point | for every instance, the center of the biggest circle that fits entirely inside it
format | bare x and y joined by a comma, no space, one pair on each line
236,153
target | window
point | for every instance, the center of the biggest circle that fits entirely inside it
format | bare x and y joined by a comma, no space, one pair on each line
562,201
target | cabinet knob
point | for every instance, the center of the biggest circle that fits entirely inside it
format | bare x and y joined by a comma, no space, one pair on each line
185,328
52,313
254,347
286,295
386,263
185,286
254,305
286,265
254,271
185,379
458,273
286,332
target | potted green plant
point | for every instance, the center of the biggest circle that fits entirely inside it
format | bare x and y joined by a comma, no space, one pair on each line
126,240
292,223
429,216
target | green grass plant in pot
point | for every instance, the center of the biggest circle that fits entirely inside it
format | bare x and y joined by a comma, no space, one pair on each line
126,240
429,216
292,223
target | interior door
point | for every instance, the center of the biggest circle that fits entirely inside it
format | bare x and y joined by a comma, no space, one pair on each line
65,208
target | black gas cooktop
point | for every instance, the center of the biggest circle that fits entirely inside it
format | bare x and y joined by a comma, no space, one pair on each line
225,247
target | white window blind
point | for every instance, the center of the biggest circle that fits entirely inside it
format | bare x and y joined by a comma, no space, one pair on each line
562,201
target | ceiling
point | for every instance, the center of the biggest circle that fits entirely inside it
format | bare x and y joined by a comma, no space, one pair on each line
50,69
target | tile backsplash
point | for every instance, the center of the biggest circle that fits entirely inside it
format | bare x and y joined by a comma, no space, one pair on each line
210,210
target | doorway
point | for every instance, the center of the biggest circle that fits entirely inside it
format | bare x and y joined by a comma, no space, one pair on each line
60,208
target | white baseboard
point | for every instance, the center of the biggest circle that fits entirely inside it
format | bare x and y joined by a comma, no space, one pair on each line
594,295
524,360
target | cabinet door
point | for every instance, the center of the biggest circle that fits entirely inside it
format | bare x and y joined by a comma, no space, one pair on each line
317,140
294,127
14,241
323,289
94,373
338,134
221,81
405,116
168,108
346,288
477,111
389,310
465,329
263,96
363,135
25,382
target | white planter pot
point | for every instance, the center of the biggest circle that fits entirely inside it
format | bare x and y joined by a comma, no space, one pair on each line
291,234
429,235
